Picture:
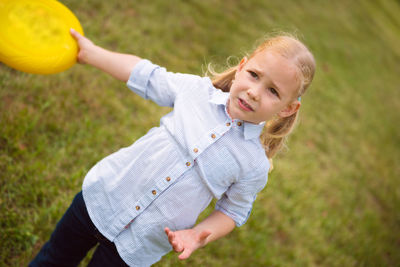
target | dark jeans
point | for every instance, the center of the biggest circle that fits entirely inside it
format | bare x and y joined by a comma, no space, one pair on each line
74,236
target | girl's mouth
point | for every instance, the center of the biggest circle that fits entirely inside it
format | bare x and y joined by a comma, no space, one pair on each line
243,104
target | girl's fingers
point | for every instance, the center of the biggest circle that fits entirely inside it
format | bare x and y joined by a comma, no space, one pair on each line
77,36
166,230
177,246
185,254
171,237
74,33
172,240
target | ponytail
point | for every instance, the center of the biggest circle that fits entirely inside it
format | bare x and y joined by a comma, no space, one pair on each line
224,79
275,133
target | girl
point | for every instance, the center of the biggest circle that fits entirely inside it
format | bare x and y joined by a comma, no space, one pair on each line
144,199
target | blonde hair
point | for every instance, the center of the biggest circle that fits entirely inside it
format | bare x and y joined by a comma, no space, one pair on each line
276,131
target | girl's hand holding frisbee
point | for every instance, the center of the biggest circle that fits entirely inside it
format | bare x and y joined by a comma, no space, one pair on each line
35,36
84,46
116,64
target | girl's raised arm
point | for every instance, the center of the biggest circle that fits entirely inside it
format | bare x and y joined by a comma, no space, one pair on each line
117,65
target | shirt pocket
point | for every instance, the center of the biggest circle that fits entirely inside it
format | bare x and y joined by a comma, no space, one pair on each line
222,169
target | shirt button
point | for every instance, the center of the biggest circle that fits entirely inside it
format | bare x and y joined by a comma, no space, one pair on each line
188,163
137,207
213,136
154,192
168,179
239,123
228,124
195,150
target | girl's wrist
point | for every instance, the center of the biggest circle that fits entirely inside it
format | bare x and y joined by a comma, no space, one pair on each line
199,231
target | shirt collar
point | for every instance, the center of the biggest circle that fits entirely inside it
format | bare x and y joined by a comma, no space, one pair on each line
219,97
251,130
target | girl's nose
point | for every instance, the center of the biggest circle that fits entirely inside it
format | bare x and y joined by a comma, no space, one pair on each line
253,94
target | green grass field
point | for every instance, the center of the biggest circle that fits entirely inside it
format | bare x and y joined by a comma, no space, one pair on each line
333,198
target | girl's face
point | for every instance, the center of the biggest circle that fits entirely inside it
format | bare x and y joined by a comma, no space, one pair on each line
265,85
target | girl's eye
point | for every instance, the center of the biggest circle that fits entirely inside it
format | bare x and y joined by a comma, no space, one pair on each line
253,74
273,91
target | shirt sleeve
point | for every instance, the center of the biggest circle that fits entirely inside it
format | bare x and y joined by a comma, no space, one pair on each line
153,82
237,201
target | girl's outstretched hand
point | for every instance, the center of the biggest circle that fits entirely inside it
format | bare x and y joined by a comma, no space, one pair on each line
186,241
85,46
116,64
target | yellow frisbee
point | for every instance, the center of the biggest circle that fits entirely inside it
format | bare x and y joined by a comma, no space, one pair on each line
34,36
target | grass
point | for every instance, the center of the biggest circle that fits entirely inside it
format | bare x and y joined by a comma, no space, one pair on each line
333,197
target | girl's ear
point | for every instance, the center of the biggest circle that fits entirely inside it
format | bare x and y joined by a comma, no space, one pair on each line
242,63
290,109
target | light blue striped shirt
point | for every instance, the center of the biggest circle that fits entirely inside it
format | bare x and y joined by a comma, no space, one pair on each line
170,175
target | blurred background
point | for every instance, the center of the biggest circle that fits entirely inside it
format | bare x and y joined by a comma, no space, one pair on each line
333,198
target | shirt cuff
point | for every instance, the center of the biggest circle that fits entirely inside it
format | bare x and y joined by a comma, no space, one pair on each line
139,77
239,220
